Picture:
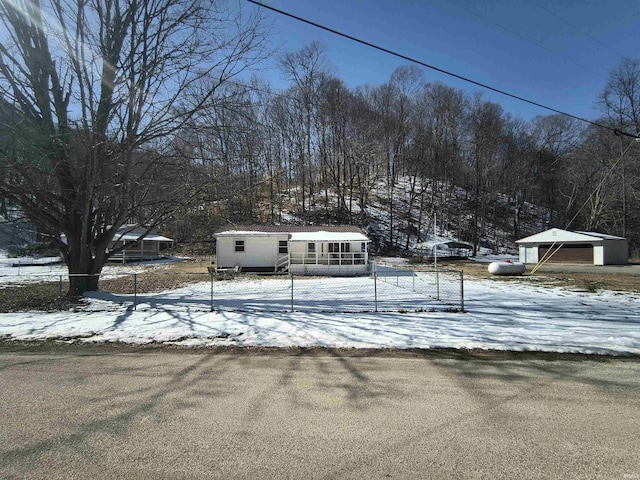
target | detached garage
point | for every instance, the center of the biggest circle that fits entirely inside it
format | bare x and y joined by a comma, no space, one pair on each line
574,247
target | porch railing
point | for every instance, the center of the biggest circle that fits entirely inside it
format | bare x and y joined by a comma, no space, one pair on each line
282,263
342,258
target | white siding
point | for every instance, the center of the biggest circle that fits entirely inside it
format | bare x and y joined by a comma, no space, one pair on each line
528,254
598,254
259,251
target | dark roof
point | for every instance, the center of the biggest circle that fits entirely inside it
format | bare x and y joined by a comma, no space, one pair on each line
296,228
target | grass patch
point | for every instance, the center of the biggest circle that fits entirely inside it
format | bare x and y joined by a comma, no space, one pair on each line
152,282
590,286
43,296
585,281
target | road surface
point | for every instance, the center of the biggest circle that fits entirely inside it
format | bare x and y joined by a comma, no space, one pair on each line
78,412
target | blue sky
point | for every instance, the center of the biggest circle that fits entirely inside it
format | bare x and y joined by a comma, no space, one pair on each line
554,52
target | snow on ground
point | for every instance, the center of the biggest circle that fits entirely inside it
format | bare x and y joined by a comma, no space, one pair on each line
23,270
28,270
499,315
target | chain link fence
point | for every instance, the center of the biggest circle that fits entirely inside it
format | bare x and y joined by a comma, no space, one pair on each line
433,288
387,288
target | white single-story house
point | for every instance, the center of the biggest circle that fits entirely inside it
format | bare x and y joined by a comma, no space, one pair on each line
302,250
564,246
137,247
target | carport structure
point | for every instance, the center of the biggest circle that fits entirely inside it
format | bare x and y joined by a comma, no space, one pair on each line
565,246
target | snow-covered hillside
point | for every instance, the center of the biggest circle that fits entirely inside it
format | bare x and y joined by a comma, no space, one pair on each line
400,215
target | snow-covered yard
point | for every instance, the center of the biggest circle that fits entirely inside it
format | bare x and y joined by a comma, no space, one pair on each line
502,316
25,270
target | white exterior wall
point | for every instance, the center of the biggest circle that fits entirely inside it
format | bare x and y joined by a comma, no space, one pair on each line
298,248
616,252
260,251
598,254
528,254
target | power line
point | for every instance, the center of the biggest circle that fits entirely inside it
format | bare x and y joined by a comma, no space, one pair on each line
440,70
525,38
586,34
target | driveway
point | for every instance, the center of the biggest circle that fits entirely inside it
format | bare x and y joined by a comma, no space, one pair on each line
72,412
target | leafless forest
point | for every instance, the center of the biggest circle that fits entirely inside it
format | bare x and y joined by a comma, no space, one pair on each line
321,152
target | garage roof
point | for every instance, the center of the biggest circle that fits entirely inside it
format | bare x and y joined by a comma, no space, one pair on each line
567,236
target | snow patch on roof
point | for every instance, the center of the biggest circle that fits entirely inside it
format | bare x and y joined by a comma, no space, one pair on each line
323,236
248,233
566,236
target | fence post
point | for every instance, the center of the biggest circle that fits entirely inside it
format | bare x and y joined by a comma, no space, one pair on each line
291,273
135,291
413,288
60,287
461,291
211,278
375,286
437,284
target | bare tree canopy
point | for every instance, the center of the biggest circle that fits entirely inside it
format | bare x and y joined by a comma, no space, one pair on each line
95,92
620,100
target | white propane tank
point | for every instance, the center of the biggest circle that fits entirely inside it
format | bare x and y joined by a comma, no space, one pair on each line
507,267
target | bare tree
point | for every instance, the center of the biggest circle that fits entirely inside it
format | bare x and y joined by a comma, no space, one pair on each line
555,138
486,123
98,89
620,103
306,68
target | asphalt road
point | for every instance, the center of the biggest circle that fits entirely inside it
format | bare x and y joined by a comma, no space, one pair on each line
158,413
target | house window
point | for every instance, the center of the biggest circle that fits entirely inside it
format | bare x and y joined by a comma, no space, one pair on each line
239,245
283,246
311,247
339,247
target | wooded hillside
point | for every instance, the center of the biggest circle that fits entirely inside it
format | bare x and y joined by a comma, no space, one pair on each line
321,152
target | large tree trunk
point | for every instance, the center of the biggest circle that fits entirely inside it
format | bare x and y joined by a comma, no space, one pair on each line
80,281
85,266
